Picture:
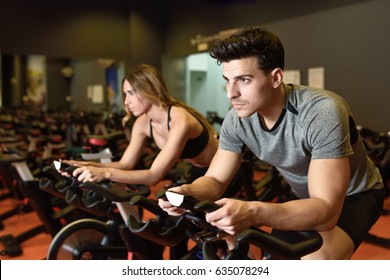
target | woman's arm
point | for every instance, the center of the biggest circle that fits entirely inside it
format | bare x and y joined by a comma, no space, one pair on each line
96,171
164,161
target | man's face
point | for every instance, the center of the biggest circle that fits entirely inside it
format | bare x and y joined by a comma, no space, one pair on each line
248,88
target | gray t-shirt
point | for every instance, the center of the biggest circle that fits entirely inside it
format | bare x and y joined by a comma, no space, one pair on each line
315,124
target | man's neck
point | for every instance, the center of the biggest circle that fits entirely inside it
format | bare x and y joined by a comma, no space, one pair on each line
270,116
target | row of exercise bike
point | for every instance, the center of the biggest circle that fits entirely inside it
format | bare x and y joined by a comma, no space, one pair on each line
29,141
139,239
107,221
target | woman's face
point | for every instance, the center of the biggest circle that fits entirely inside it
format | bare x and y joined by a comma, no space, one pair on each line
134,102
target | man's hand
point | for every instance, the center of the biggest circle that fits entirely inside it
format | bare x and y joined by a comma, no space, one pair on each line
233,217
168,207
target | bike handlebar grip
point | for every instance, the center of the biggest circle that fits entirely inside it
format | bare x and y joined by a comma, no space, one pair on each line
142,190
62,166
160,194
70,170
49,186
156,230
75,198
51,172
149,205
95,201
156,233
207,206
106,190
53,182
103,189
12,157
173,235
310,242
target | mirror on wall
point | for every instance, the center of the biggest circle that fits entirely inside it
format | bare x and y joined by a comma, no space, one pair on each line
197,80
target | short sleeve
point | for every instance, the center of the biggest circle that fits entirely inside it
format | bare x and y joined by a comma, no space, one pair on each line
229,134
327,124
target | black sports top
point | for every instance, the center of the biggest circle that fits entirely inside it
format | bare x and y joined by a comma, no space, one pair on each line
193,146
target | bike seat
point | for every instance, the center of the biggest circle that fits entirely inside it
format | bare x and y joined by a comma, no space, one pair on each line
104,140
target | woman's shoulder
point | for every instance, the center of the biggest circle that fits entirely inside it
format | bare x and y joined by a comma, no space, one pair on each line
180,114
182,119
142,124
142,119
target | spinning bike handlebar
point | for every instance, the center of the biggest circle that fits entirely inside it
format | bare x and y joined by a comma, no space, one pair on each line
116,194
92,197
106,188
12,154
157,230
308,241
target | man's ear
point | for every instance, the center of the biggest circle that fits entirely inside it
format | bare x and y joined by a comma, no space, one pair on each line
277,77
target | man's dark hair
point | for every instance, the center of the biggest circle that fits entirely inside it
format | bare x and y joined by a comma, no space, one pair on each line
254,41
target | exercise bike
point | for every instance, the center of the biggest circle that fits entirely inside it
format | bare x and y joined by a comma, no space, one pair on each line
212,238
377,145
106,236
41,202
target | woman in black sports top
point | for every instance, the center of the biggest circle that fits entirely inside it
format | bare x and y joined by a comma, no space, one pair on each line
179,131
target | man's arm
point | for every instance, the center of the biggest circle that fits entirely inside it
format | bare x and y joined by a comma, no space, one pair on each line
328,181
212,185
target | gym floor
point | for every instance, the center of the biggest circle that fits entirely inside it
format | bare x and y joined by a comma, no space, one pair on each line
36,248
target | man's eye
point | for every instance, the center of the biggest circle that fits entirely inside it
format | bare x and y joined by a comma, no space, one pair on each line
245,80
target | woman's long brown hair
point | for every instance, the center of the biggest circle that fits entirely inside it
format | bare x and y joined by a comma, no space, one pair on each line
147,81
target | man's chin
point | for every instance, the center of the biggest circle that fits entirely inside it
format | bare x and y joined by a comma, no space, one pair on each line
243,114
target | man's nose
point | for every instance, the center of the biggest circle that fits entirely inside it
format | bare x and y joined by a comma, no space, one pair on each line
232,91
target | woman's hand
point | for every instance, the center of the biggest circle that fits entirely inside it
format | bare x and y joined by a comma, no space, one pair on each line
90,174
76,162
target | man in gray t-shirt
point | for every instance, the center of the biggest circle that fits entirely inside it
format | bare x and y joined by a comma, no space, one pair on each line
308,134
314,124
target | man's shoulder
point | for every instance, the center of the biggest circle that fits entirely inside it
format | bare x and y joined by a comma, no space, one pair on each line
301,96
